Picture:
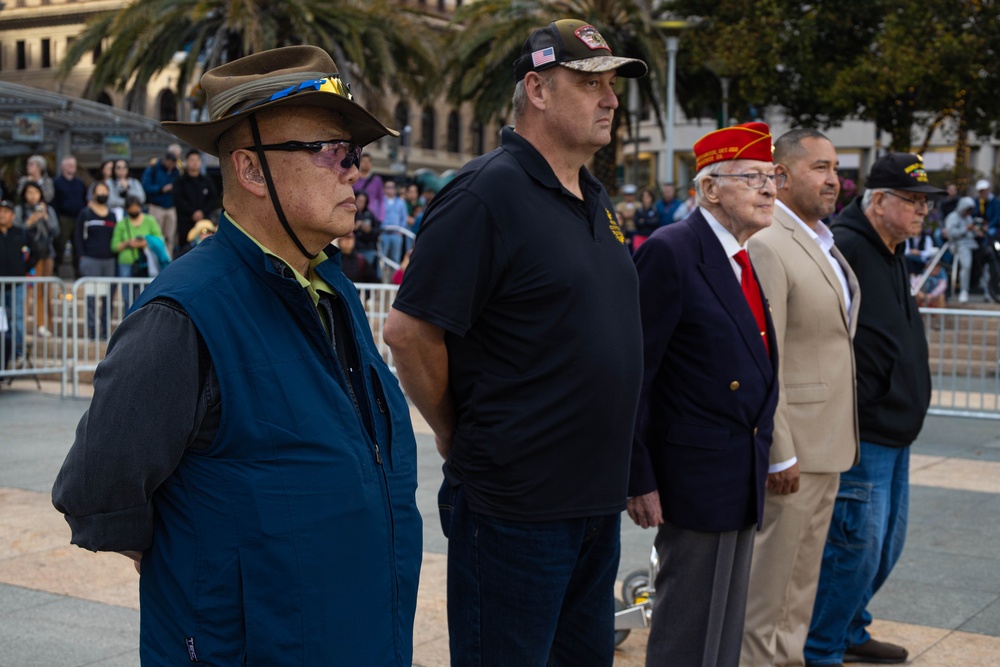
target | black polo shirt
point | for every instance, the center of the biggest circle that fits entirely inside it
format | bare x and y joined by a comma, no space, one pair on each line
539,300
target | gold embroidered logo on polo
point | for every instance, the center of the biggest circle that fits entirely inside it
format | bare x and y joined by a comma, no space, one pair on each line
615,229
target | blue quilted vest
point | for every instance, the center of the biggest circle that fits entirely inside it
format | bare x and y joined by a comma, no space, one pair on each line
294,539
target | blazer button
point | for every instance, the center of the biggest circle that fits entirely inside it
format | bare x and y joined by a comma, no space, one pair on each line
755,430
734,385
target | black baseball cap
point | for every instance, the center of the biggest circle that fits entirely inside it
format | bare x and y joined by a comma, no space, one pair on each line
576,45
901,171
6,203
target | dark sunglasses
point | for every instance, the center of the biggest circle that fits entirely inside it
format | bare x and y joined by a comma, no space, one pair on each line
339,154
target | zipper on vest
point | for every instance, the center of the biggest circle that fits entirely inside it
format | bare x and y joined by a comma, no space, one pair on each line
377,392
349,371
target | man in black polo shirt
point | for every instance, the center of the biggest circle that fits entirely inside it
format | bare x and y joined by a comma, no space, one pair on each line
516,333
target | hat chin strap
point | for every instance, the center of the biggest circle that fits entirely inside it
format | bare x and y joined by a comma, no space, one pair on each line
259,148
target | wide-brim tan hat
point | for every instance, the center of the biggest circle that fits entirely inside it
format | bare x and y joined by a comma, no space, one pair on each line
199,227
289,76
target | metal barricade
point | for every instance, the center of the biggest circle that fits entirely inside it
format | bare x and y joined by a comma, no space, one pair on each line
406,239
98,307
964,361
34,314
50,330
377,299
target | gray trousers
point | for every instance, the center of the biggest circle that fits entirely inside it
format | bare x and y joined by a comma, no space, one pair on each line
701,597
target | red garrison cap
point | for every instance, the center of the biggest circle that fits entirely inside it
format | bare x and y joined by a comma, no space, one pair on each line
749,141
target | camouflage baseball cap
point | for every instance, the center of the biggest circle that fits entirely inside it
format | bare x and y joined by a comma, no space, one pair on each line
576,45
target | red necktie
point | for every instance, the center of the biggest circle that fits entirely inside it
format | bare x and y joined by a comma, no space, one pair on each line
752,293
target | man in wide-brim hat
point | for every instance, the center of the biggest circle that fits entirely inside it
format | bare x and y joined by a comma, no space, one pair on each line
246,444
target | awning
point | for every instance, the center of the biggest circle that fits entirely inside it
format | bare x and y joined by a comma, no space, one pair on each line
87,129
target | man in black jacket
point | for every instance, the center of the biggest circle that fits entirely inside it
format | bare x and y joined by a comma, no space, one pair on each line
894,388
17,256
195,197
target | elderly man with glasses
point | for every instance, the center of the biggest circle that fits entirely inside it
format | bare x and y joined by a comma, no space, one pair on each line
894,389
246,443
706,409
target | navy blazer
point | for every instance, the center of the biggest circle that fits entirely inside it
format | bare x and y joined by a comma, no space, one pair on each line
709,390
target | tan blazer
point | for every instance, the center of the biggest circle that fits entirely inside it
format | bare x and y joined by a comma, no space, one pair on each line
817,416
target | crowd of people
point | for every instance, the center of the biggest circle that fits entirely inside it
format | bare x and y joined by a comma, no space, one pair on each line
388,218
109,224
957,226
744,373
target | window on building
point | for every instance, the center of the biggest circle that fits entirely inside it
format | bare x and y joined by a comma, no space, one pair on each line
22,54
442,5
402,116
454,132
478,138
46,53
428,122
105,99
168,105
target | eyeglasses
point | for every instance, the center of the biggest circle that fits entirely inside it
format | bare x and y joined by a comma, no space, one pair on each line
917,203
330,84
756,180
338,154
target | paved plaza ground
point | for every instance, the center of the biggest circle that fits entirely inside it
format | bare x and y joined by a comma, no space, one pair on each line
61,606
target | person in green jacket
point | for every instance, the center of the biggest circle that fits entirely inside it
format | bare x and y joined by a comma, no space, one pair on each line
129,242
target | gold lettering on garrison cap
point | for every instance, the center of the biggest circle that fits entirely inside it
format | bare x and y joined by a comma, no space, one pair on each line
749,141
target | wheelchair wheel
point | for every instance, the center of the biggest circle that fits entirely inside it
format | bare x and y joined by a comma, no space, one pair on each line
636,588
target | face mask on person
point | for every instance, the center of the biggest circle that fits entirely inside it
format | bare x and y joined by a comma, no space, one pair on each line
137,213
101,199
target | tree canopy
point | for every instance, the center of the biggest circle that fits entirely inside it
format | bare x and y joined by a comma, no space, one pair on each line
380,45
906,66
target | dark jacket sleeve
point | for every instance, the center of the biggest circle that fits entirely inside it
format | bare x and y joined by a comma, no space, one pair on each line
184,197
150,401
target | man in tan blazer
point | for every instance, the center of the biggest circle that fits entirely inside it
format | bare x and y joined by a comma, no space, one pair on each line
814,301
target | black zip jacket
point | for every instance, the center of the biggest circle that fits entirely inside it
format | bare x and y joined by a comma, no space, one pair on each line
890,347
12,256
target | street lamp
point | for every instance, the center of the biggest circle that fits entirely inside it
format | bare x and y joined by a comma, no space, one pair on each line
671,35
722,70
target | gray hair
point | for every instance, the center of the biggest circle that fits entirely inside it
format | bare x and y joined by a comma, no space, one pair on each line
869,196
39,162
519,102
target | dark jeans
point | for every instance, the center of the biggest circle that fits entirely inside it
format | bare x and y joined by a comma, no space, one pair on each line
866,538
531,594
97,306
13,303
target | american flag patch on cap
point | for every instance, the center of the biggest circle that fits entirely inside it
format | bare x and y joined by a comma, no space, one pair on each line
543,56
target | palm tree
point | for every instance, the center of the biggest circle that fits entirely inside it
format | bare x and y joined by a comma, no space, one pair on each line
379,45
487,38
